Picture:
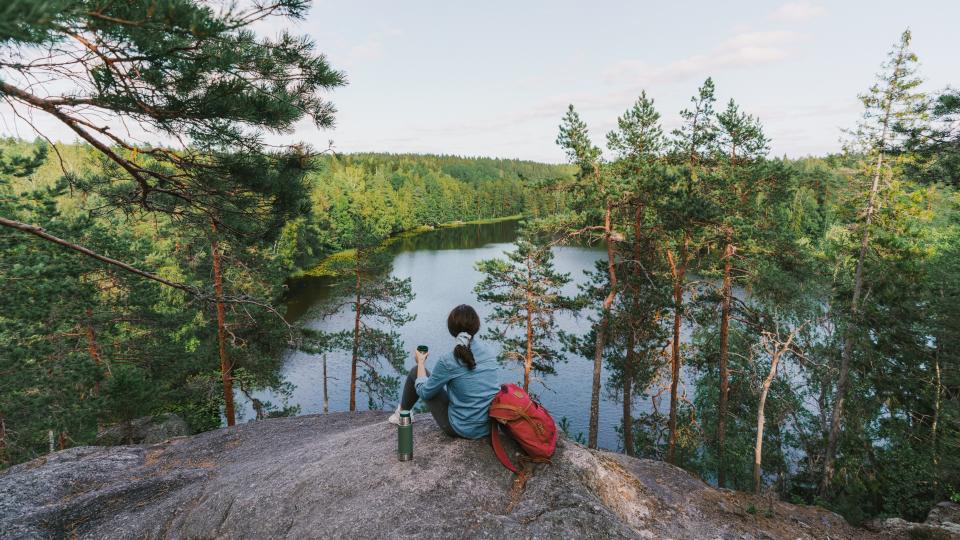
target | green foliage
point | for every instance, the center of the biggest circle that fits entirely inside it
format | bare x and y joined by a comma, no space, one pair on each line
396,193
378,303
564,425
694,140
526,293
574,138
90,344
934,148
795,228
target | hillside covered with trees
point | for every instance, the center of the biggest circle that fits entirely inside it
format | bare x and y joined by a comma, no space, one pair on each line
822,293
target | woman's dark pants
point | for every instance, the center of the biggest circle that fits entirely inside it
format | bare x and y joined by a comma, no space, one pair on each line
438,404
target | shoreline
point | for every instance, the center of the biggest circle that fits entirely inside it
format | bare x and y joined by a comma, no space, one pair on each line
323,267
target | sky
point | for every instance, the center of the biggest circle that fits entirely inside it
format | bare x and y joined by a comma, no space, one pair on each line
495,78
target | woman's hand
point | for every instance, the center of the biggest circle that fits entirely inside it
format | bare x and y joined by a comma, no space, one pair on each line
421,358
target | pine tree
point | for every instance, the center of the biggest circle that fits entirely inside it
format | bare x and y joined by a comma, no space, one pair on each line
189,74
637,143
683,207
695,140
740,136
526,293
638,138
740,142
893,100
378,303
604,191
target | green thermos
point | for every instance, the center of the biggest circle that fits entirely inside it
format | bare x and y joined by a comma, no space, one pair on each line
405,437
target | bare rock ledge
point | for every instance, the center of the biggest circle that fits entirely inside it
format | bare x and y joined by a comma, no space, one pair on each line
337,476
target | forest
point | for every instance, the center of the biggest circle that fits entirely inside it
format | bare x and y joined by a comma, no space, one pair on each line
823,293
128,347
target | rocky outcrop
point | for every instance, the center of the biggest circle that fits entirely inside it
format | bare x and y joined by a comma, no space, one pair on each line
147,430
942,523
337,476
945,514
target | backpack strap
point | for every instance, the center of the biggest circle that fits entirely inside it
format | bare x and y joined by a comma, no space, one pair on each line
498,446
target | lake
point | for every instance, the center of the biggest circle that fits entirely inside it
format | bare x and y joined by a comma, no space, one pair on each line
440,264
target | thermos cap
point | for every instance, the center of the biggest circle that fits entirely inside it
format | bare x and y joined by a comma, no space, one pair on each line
405,413
422,348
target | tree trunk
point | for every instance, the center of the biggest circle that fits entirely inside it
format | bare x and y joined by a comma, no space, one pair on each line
677,270
631,358
776,350
94,350
843,378
92,346
936,419
847,351
528,361
595,389
356,339
758,447
225,367
601,332
724,351
627,394
937,404
326,400
3,439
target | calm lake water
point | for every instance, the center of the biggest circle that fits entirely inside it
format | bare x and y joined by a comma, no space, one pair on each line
440,264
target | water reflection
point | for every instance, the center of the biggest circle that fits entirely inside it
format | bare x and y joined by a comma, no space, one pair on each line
306,292
440,266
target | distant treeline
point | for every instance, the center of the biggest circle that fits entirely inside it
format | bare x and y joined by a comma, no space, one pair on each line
390,193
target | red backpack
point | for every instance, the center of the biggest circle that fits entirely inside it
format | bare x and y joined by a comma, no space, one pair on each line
526,421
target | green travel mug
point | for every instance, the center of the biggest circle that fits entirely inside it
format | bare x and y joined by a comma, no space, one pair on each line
405,437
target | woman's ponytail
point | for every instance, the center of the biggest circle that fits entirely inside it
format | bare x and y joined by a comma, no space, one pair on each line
465,355
464,323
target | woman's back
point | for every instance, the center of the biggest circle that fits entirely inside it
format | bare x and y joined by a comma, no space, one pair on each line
470,390
463,383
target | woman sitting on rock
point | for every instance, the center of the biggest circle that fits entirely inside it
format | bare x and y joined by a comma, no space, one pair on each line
469,374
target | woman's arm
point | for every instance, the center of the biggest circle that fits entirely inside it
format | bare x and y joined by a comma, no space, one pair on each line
421,358
427,387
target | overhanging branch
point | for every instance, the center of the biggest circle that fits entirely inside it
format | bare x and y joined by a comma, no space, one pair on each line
38,231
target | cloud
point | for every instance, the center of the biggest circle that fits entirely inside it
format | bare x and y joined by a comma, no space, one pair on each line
742,50
797,11
365,52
